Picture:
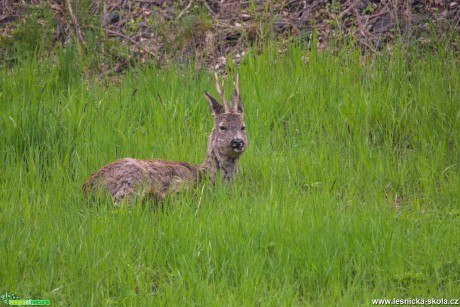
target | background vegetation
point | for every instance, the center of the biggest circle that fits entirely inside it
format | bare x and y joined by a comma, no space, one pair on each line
115,34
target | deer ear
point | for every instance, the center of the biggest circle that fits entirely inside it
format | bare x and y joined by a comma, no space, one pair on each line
214,106
237,106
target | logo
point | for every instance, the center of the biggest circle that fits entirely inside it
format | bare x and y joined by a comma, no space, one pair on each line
12,299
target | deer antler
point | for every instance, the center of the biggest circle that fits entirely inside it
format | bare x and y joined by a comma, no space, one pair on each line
237,95
221,92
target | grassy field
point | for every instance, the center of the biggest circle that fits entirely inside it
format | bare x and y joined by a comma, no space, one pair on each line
338,143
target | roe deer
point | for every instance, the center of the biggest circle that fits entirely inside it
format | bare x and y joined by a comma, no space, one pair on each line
128,177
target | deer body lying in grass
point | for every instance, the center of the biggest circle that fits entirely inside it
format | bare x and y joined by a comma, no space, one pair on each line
127,177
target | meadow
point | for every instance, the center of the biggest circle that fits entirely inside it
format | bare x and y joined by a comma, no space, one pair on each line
349,190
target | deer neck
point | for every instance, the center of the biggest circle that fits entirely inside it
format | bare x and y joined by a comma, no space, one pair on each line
215,162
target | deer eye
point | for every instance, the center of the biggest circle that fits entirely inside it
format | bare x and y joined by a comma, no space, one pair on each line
243,128
222,128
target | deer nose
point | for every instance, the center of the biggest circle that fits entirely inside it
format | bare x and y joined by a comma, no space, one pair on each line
237,144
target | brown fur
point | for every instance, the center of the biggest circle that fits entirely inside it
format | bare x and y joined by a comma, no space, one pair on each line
127,177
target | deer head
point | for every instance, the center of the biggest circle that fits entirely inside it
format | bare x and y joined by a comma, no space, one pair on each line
228,138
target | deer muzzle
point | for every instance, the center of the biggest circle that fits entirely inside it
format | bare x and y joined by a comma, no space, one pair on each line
237,145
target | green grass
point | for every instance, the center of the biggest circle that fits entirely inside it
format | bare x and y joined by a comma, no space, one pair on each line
335,140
